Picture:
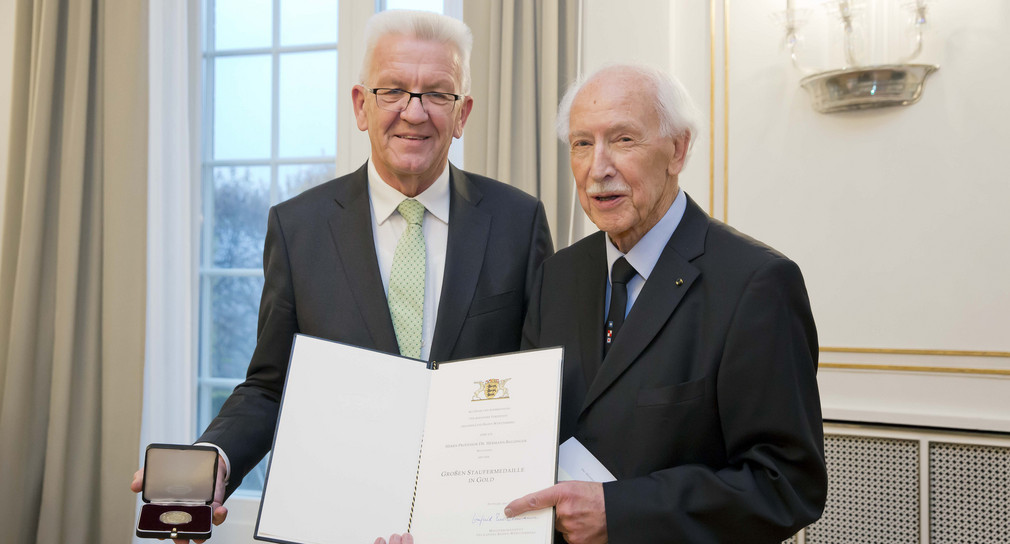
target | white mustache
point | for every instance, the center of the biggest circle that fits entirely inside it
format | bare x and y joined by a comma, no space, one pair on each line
607,187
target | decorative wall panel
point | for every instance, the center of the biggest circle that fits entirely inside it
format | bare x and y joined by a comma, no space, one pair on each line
969,493
873,491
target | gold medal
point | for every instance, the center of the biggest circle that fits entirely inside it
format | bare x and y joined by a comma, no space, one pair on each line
175,517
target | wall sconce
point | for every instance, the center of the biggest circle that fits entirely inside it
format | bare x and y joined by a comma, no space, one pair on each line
856,86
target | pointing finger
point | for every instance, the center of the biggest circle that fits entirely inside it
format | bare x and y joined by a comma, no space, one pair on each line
545,498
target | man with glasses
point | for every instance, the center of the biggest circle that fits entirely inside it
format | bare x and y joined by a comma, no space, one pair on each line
406,255
698,391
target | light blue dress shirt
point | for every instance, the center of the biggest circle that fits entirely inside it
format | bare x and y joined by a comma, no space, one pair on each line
645,254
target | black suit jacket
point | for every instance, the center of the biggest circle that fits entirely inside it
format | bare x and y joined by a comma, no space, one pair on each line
322,279
706,408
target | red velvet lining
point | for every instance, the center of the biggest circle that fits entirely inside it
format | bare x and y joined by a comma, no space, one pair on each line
200,524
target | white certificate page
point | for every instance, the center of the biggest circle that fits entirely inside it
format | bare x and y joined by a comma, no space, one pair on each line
491,437
346,449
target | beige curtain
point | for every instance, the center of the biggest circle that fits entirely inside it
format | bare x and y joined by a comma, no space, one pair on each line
72,272
524,56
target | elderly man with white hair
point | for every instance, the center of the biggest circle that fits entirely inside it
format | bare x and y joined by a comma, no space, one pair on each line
690,348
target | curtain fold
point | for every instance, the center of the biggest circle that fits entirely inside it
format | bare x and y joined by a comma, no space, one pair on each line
72,279
524,56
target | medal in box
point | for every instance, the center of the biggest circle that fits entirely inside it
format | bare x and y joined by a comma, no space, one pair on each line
178,491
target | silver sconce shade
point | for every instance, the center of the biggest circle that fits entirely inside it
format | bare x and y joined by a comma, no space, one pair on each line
867,87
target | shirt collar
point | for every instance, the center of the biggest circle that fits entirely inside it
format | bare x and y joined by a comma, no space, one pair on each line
385,199
644,256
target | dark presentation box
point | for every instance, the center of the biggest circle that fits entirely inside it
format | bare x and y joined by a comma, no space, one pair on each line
178,491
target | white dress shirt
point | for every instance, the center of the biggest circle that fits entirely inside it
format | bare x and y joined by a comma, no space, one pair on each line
644,256
387,227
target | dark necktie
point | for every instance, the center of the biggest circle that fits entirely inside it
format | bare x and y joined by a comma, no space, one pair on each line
619,277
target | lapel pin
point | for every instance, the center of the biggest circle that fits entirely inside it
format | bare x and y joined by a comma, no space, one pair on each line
679,282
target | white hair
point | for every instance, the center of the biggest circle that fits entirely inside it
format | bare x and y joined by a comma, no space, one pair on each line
677,112
420,25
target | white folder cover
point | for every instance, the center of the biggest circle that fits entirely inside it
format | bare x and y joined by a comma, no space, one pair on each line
370,444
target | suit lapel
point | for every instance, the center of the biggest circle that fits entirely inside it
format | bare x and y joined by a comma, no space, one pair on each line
469,228
591,290
669,282
349,224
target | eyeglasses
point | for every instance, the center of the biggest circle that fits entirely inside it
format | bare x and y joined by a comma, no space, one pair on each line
398,99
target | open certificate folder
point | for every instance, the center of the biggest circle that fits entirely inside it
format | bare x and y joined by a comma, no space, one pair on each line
370,444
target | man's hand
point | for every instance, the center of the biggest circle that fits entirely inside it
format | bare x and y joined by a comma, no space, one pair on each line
405,538
220,512
581,515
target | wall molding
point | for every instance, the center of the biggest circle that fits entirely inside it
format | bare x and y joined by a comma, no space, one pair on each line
910,368
725,112
714,32
902,351
711,108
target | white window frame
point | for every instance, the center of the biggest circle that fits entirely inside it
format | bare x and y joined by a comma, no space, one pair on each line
172,362
205,383
174,243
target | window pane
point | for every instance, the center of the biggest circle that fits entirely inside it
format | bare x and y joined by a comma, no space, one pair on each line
241,202
252,485
234,306
218,394
308,104
292,180
253,482
242,107
308,22
426,5
240,24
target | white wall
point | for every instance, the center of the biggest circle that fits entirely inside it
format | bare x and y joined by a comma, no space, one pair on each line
639,31
895,212
896,216
6,68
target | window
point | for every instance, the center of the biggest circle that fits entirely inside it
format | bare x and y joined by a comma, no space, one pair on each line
268,133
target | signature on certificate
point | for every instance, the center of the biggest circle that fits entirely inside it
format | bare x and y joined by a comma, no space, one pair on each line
479,519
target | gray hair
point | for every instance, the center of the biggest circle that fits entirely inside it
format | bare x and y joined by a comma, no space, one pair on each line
677,112
420,25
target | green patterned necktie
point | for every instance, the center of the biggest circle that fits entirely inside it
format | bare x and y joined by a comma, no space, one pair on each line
406,281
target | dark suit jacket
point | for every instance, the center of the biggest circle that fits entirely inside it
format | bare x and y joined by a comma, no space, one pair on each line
322,279
706,408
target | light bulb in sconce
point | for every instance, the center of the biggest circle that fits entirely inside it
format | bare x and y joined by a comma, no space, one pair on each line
794,20
918,23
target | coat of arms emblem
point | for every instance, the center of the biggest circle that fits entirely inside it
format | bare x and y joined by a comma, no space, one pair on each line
491,389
